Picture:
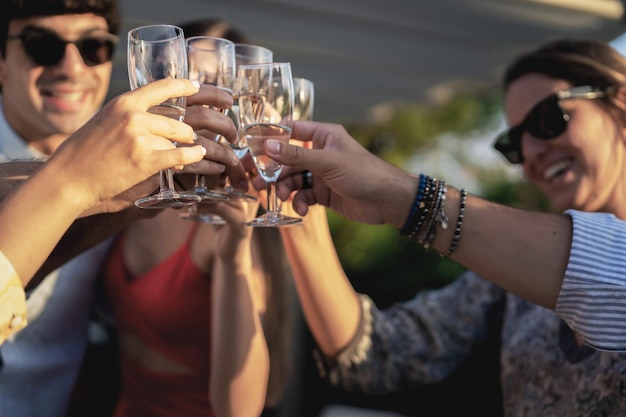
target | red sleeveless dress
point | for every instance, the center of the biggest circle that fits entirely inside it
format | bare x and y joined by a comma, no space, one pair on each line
168,308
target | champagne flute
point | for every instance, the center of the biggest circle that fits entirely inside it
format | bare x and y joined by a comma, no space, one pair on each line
211,61
157,52
245,53
303,104
265,93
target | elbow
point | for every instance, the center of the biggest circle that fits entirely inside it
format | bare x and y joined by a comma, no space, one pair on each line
241,396
246,406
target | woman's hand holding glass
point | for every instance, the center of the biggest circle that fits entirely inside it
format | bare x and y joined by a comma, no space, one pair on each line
265,94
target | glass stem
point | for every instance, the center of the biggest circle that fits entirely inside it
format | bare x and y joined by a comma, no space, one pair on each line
272,199
200,181
167,180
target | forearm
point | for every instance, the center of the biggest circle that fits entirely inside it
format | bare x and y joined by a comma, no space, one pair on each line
83,234
35,216
239,354
523,252
330,305
44,215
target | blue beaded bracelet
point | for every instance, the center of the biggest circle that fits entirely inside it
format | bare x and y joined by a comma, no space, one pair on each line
406,228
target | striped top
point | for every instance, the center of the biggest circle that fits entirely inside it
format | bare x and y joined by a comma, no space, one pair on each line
593,295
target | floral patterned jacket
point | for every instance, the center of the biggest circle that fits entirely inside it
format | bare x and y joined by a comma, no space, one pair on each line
544,370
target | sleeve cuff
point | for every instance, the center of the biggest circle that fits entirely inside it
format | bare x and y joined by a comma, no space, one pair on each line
354,353
12,300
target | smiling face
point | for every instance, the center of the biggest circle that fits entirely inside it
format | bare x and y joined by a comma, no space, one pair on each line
583,168
45,103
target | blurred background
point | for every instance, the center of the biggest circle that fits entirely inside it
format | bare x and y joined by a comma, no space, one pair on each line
416,82
364,53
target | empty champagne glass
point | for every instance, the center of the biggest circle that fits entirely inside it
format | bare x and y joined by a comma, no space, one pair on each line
246,53
211,61
265,93
156,52
303,104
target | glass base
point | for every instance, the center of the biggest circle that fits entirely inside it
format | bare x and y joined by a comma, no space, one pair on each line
211,195
167,199
238,195
274,220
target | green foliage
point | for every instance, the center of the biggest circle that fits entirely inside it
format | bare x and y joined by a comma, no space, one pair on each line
378,261
385,265
413,127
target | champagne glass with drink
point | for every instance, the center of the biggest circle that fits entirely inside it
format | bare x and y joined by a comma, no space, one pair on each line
156,52
265,93
245,53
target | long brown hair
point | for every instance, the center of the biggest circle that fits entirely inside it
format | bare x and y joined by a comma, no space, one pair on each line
278,323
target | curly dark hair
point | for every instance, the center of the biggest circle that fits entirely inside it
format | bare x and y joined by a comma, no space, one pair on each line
21,9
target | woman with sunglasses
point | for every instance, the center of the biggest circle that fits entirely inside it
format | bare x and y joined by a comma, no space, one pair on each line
566,102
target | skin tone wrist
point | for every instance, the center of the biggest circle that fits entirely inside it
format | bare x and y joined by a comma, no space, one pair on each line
482,220
400,198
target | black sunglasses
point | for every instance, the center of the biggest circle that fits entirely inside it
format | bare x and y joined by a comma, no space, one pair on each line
46,47
547,120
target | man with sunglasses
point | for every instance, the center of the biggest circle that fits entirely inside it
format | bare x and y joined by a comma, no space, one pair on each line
55,73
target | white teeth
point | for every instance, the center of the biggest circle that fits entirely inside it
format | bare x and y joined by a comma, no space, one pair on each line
68,96
555,169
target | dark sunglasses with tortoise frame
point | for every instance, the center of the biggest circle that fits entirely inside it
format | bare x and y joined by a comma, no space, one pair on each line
547,120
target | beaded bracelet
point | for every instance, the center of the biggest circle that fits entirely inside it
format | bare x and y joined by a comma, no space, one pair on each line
418,199
459,222
427,211
426,207
439,217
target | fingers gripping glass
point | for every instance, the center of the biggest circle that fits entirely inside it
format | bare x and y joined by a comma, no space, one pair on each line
547,120
46,47
265,94
157,52
211,61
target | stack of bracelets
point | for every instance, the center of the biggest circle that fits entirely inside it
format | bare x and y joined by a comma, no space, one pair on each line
428,211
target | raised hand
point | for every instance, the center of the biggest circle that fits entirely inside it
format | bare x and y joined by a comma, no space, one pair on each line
346,177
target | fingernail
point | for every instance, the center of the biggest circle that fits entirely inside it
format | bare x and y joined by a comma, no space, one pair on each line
196,84
272,145
203,150
195,137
